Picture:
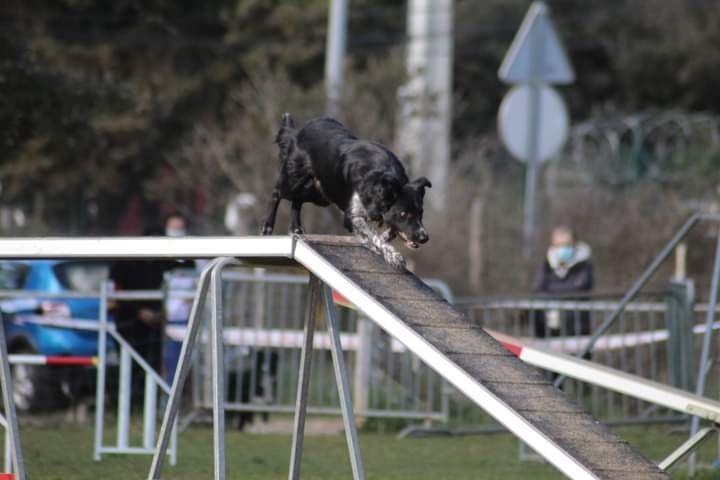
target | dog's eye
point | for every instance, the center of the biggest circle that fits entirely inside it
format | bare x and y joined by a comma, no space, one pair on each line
402,214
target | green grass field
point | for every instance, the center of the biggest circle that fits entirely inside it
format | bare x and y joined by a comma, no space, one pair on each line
64,452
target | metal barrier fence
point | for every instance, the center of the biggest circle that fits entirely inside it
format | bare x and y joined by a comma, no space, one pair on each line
657,339
263,327
122,355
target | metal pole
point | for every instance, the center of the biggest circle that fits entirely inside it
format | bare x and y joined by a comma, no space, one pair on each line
532,168
181,372
149,412
633,291
363,361
343,385
101,370
304,380
335,53
533,141
10,418
124,394
705,361
218,368
173,444
8,451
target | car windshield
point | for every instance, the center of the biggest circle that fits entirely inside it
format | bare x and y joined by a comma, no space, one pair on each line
12,275
84,277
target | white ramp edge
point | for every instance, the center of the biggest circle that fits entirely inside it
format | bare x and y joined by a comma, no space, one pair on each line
613,379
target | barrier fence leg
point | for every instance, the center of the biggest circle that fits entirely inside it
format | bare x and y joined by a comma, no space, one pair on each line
182,369
124,393
173,444
10,418
101,371
333,325
304,380
149,412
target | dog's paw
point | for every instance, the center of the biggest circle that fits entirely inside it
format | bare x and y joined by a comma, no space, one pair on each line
395,259
298,231
266,230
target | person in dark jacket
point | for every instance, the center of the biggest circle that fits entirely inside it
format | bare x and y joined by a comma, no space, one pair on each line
142,322
567,269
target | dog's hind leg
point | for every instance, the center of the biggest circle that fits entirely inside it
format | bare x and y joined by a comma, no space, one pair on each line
274,203
295,223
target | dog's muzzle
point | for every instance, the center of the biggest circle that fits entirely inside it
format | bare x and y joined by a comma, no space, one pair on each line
419,238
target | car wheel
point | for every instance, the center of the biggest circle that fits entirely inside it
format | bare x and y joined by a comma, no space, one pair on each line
34,386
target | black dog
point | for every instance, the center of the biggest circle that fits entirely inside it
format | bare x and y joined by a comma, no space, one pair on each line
324,163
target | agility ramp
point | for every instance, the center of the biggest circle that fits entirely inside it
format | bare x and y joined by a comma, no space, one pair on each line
516,395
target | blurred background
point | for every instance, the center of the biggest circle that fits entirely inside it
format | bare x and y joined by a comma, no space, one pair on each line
115,112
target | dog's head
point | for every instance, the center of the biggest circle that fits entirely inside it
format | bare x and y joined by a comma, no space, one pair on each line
405,216
378,193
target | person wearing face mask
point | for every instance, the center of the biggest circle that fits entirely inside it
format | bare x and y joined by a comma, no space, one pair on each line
566,270
175,225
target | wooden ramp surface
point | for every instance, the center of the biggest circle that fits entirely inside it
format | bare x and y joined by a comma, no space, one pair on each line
521,387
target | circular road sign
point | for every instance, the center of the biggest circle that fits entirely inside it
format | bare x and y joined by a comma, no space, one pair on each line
515,122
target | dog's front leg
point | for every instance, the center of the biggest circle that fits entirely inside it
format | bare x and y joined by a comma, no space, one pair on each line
274,202
392,256
376,243
357,214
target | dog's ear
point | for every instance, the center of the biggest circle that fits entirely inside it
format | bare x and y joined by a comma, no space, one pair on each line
420,184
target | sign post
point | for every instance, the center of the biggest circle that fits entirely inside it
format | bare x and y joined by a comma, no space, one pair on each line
533,118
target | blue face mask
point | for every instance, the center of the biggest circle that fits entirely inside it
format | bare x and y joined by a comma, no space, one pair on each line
565,254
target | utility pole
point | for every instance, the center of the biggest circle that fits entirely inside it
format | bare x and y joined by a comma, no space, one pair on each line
335,54
426,99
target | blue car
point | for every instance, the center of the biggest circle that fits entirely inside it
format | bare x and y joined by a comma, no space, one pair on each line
38,386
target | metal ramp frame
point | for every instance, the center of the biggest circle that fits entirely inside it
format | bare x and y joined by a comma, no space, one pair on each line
516,395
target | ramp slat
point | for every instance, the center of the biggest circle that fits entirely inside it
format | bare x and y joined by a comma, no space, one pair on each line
465,344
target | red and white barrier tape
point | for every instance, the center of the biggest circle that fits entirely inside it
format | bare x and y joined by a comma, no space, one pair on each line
28,359
275,338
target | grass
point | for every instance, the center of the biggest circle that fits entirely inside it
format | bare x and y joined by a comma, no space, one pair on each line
65,452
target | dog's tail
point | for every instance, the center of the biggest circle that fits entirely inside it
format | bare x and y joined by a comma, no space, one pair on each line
285,137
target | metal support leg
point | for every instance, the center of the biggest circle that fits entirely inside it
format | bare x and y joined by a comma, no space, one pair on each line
182,370
705,360
691,444
7,461
218,368
304,380
333,325
10,418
